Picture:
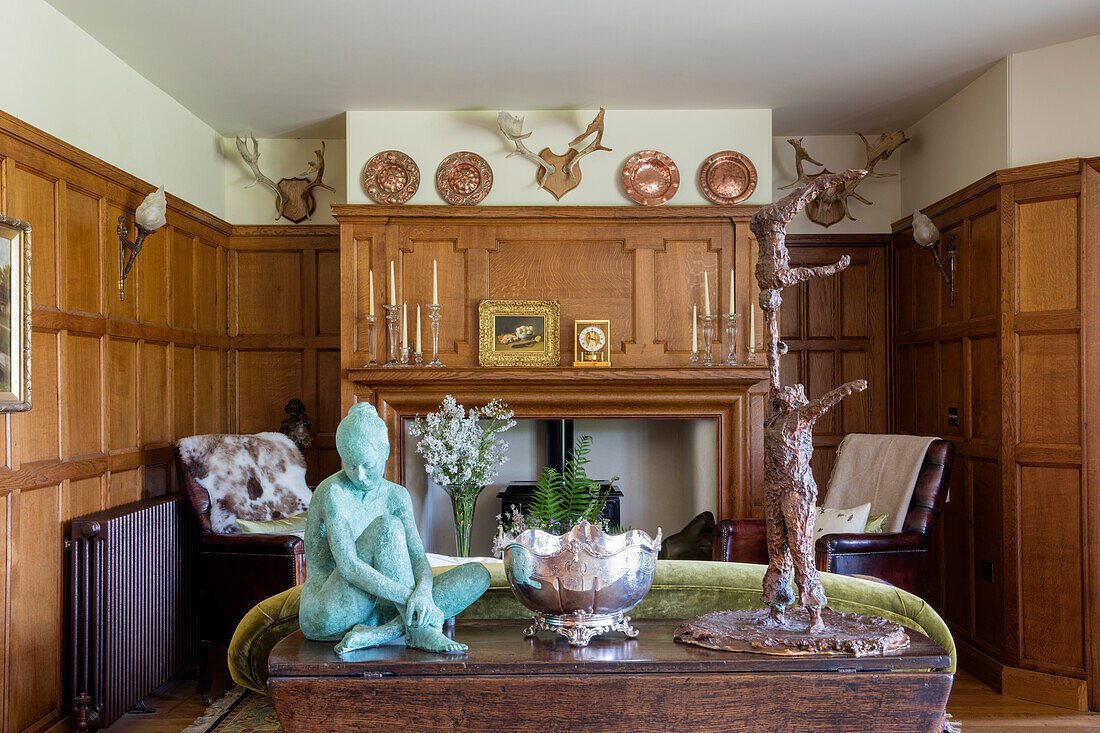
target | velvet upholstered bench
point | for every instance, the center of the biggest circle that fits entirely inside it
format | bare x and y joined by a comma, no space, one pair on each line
681,589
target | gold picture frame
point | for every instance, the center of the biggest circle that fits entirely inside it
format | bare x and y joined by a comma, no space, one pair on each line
591,343
15,315
519,333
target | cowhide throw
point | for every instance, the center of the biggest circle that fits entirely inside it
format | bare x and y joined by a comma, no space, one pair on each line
257,477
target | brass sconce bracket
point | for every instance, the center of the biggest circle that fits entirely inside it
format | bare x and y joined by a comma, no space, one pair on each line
945,264
125,245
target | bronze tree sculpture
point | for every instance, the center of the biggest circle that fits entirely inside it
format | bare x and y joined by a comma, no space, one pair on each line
790,493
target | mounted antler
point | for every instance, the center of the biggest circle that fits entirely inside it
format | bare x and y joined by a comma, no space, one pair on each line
252,158
558,174
832,205
595,127
293,196
512,128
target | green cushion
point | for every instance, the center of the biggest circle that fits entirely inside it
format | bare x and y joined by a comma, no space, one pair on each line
681,589
295,523
876,523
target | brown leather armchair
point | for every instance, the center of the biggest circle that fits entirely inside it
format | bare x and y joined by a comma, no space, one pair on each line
897,558
234,572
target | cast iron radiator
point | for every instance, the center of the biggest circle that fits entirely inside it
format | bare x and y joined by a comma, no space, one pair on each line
133,623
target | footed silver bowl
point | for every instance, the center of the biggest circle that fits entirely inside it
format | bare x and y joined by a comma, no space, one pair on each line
581,583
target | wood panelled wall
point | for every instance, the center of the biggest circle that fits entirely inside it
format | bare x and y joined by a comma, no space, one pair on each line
114,383
1016,584
836,329
284,322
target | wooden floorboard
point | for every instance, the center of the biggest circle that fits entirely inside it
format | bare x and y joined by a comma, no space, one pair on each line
973,704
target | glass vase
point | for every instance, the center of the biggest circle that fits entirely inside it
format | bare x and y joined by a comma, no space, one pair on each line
463,500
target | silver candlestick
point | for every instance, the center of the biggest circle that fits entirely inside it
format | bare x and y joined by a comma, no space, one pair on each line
372,340
730,320
435,316
708,336
393,322
695,356
405,351
418,358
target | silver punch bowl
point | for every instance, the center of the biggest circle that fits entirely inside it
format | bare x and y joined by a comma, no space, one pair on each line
581,583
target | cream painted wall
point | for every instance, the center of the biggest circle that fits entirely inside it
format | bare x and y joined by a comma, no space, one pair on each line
665,469
962,140
838,153
280,158
61,80
687,136
1054,102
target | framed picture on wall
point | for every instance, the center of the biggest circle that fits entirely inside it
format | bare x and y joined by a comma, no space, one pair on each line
15,315
519,333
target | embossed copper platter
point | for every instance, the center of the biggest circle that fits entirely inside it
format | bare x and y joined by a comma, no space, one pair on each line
650,178
464,179
727,177
391,177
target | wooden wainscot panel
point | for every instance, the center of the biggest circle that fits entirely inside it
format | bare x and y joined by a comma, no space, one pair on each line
420,246
207,302
1047,269
36,435
152,282
988,570
155,410
210,392
80,253
268,292
183,392
1052,611
122,383
181,277
32,196
34,693
982,265
328,293
1049,372
677,285
124,487
266,380
82,396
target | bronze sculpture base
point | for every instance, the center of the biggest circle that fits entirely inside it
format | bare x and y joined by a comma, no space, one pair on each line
751,631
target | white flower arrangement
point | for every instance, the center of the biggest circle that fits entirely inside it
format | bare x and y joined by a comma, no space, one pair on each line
463,449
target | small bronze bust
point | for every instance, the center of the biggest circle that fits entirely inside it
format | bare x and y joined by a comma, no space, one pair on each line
297,425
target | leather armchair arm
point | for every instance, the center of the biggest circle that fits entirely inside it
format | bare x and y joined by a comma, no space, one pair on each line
253,544
849,544
740,540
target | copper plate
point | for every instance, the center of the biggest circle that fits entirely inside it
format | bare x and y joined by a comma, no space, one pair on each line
391,177
727,177
464,179
650,177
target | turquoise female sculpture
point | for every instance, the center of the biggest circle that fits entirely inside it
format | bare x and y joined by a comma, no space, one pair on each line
367,579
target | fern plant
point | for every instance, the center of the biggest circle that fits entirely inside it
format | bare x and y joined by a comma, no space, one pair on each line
561,500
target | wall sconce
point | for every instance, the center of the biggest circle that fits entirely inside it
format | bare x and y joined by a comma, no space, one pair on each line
927,236
149,217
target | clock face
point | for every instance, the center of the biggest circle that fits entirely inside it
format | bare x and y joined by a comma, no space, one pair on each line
592,338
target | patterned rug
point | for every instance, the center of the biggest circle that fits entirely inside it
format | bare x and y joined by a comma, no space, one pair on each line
238,712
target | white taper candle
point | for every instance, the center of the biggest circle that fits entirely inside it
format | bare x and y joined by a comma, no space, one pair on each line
371,293
393,287
418,350
694,327
706,294
405,325
435,284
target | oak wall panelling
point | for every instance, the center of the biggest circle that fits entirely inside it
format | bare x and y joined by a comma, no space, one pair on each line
1016,581
114,383
285,332
836,330
642,268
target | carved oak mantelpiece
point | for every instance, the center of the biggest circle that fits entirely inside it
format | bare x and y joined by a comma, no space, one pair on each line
641,268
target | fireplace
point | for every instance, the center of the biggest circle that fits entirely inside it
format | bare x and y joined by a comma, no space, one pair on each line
559,434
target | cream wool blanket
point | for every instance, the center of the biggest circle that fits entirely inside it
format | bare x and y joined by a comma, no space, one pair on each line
881,469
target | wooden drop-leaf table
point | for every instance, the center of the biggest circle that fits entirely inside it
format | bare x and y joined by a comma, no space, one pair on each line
509,684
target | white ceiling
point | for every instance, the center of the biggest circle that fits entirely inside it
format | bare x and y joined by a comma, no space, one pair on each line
290,68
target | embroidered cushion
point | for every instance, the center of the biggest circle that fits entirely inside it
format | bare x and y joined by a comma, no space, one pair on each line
841,521
254,477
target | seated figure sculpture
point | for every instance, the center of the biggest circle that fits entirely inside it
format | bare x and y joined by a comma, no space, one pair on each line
368,581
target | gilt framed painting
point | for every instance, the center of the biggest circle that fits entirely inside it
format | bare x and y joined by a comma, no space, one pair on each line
519,333
15,315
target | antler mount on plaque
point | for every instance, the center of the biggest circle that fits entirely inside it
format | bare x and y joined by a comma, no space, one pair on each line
558,174
831,206
293,196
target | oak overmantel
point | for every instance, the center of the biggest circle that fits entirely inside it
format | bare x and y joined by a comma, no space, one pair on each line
642,268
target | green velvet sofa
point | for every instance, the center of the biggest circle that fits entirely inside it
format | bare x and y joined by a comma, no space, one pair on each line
681,589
